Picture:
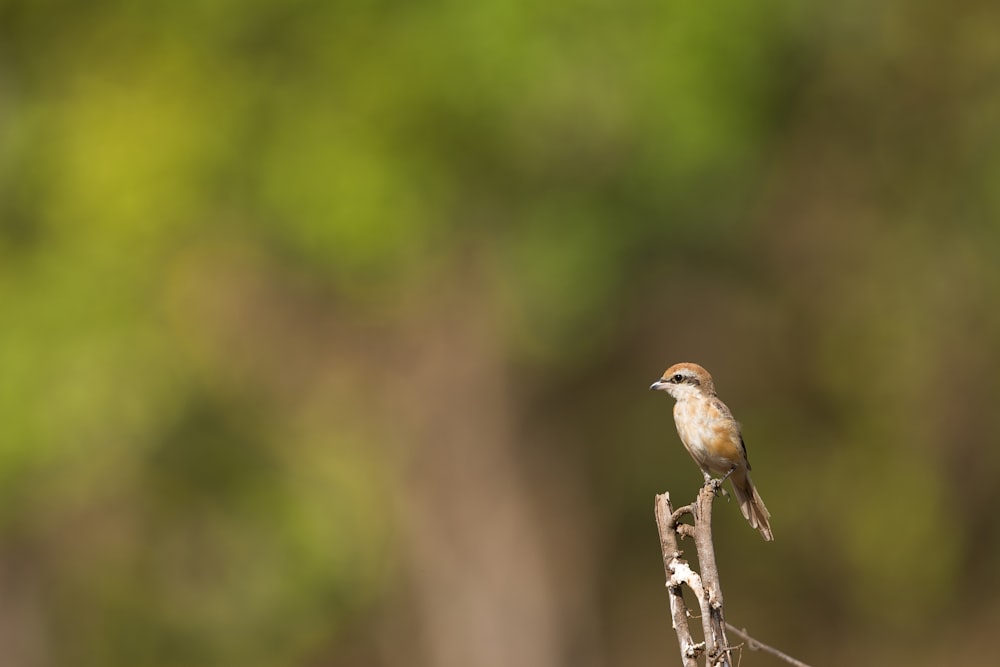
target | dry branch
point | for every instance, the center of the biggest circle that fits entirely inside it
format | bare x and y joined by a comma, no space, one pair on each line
706,586
756,645
666,520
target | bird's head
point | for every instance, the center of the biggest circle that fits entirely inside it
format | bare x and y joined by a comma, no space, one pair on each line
685,380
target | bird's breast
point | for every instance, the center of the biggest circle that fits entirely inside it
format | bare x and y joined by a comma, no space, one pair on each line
709,433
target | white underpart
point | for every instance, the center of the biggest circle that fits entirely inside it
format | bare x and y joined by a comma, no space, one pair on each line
693,415
683,390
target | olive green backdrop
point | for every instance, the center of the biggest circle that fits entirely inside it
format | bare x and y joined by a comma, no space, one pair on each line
326,327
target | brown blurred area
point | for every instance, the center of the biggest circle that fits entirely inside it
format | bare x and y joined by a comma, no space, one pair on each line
327,328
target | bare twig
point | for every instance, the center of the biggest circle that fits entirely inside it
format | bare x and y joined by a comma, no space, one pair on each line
679,513
756,645
705,586
671,557
710,575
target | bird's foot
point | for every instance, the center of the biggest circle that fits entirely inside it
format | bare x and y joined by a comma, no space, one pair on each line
716,486
726,476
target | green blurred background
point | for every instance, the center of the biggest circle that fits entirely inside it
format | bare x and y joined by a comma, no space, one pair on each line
326,328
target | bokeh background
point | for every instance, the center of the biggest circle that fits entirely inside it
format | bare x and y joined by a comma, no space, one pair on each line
326,327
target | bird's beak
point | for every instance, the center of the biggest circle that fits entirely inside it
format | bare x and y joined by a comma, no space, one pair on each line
659,385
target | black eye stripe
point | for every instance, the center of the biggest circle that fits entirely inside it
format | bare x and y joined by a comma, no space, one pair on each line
678,378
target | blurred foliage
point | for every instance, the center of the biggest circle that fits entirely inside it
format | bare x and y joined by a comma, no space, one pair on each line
286,285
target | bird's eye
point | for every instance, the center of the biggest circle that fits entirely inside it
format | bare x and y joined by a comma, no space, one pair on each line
677,379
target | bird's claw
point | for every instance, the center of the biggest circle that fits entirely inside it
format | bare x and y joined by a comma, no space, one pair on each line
716,486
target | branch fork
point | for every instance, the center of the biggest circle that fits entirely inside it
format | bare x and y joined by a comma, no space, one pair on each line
705,586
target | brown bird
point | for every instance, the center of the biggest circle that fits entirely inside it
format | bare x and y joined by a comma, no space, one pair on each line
712,437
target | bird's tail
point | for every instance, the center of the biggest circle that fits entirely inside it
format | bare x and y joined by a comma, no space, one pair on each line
751,505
